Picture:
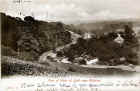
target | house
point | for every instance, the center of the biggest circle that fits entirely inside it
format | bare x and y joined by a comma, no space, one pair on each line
119,39
87,35
93,61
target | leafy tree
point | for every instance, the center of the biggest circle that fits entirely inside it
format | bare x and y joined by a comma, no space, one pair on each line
29,19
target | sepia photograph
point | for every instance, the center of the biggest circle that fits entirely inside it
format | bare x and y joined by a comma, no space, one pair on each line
70,38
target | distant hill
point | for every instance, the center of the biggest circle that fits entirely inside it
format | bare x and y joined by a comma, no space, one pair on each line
105,26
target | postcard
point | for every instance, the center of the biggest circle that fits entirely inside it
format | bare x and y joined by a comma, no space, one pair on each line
70,45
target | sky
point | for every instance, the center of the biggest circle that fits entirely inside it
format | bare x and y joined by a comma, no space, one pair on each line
70,11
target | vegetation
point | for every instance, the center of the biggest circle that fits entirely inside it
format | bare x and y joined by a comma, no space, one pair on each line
106,49
30,38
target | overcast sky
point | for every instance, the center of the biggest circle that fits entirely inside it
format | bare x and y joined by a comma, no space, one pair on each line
74,10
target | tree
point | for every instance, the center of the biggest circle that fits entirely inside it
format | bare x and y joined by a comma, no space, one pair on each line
29,19
129,36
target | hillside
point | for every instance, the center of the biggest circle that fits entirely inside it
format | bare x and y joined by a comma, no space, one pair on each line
12,66
30,37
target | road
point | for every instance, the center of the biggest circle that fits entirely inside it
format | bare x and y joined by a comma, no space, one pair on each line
74,40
